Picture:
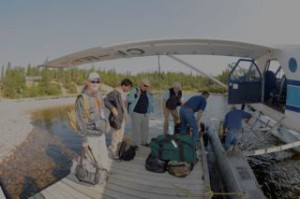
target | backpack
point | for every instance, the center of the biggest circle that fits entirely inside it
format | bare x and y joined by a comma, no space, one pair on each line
126,151
72,114
155,164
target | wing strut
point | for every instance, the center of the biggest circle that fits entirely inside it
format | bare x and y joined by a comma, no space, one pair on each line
199,71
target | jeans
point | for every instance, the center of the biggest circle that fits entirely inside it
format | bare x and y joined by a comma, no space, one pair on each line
232,137
187,119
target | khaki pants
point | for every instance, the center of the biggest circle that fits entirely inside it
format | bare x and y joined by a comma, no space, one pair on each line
140,128
117,137
175,116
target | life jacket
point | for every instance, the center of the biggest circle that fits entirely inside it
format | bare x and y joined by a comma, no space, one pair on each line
174,100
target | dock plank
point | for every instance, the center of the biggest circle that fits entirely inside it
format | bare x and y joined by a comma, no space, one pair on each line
74,193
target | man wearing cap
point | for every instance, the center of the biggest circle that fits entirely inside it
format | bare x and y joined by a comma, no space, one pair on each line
140,105
172,98
93,129
195,104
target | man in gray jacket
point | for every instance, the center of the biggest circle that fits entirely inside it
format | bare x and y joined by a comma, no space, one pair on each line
115,101
94,128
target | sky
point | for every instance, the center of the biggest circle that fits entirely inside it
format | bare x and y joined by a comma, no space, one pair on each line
35,30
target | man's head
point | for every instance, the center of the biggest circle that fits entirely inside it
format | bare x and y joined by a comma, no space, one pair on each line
145,84
232,107
126,84
177,86
94,81
205,94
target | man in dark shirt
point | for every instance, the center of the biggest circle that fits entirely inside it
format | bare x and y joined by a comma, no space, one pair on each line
232,126
188,109
140,101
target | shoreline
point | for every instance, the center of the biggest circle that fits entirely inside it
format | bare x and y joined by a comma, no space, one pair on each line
15,120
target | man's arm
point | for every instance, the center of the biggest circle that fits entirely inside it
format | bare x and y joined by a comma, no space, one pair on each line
132,95
80,111
198,118
108,102
247,117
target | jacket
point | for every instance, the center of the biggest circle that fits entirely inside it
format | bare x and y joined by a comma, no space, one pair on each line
133,97
96,116
114,99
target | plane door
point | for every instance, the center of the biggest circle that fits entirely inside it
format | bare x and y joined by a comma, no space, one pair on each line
244,83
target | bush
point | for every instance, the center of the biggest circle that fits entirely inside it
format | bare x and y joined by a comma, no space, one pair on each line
32,91
71,88
54,89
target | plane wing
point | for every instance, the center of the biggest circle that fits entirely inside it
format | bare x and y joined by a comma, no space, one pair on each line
162,47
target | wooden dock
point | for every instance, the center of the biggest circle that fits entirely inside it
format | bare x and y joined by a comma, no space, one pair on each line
130,179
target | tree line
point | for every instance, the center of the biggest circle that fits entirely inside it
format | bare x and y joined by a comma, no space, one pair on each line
22,82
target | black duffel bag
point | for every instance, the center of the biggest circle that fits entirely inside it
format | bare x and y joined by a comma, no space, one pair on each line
156,164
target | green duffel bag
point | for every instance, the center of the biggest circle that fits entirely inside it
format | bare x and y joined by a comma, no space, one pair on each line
178,147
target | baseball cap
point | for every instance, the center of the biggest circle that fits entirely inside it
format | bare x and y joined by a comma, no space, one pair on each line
177,85
93,76
145,81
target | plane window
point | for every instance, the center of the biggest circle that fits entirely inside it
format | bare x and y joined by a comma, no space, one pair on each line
245,71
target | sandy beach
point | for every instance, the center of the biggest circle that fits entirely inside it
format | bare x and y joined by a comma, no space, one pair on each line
15,120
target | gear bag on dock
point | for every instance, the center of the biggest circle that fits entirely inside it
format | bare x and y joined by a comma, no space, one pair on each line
178,147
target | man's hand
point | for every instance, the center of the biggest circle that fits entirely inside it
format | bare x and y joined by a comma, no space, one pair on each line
114,111
85,144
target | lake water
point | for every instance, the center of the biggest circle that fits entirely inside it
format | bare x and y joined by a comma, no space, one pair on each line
46,156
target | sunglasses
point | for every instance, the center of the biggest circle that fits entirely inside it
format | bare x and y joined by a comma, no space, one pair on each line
95,82
145,85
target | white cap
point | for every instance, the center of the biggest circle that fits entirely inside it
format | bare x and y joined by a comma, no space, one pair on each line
177,85
93,76
145,81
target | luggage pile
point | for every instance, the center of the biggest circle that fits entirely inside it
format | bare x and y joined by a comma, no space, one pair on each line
173,153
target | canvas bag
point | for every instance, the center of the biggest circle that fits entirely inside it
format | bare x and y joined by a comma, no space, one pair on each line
179,169
113,120
87,171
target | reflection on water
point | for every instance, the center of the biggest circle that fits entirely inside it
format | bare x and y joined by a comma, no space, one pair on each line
46,155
